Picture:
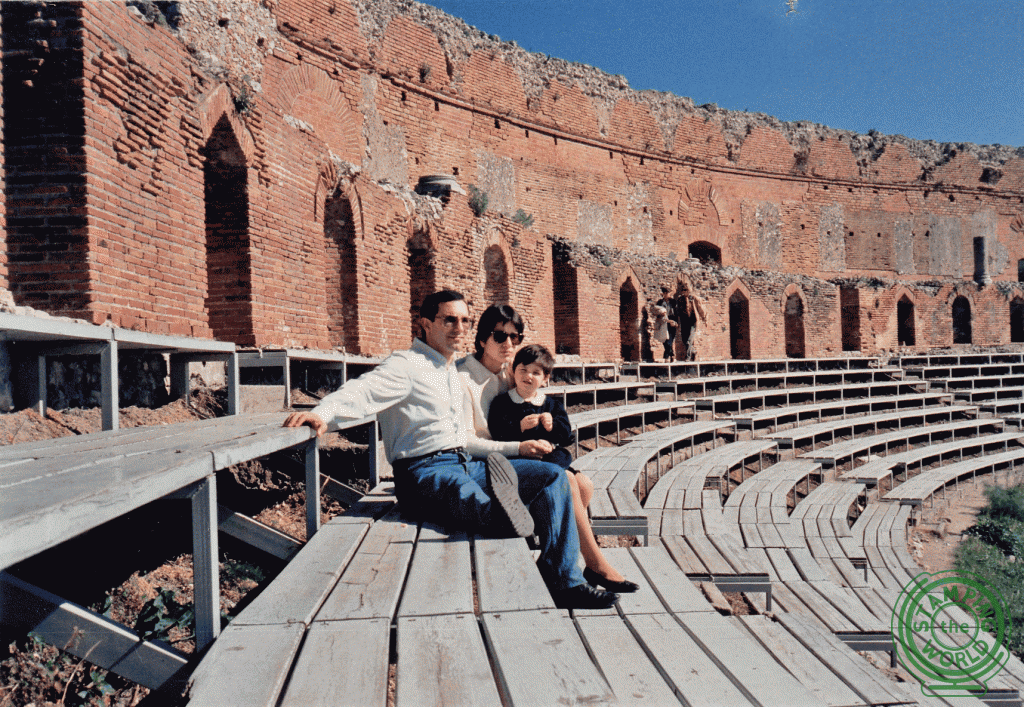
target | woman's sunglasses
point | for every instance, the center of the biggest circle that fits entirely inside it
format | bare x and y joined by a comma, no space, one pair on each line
500,336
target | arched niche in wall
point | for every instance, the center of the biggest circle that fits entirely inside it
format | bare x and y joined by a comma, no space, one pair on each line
707,253
1017,319
793,317
497,268
341,286
906,328
629,318
849,303
565,296
422,273
228,260
739,322
961,319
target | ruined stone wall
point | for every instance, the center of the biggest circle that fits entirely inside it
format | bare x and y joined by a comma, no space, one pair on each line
243,170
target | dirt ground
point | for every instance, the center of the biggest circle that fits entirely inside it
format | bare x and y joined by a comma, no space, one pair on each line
938,533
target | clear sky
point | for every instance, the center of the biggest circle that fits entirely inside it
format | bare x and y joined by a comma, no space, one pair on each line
944,70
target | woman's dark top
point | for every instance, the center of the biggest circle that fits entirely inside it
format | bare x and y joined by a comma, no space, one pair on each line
506,415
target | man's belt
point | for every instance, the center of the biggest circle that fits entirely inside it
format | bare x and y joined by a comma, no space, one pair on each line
406,462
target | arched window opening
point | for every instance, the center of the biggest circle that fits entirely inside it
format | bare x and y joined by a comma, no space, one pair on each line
228,262
739,326
1017,320
1020,270
422,275
707,253
566,305
849,301
495,276
794,317
629,322
339,272
905,333
962,321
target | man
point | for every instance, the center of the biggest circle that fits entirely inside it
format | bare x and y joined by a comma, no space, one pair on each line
418,396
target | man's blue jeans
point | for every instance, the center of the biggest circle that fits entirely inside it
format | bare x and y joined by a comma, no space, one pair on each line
451,490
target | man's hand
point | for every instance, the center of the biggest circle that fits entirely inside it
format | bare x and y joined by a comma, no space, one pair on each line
535,448
547,421
298,419
530,421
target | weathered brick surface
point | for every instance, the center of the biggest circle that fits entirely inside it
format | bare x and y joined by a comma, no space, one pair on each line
247,176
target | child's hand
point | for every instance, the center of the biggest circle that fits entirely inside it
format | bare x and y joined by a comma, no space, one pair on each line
535,448
530,421
546,420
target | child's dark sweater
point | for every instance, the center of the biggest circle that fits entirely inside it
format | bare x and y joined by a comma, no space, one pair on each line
505,417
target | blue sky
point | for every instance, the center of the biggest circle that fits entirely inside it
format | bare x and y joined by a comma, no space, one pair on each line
927,69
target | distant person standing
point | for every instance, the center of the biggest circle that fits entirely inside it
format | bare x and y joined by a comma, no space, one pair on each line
671,325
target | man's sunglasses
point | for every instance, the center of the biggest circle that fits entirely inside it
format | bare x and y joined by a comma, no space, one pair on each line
500,336
450,322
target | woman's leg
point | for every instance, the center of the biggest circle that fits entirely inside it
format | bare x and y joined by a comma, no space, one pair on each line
582,491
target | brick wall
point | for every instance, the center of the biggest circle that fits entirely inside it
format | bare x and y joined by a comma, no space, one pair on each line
262,195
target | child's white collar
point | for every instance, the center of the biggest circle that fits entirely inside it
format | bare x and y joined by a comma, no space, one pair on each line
538,398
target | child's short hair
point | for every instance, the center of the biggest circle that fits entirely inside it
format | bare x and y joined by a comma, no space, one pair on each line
535,353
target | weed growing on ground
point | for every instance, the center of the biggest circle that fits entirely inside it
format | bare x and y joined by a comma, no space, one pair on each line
994,551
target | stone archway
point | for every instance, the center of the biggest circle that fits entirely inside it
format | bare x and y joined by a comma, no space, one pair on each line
961,315
739,325
906,331
793,314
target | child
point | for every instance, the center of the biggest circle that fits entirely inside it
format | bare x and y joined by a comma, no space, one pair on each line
526,413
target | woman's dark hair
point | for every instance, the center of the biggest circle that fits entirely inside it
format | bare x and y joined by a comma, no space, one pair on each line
535,353
493,317
433,302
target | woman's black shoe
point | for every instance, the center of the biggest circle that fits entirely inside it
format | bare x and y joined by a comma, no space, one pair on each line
583,596
623,587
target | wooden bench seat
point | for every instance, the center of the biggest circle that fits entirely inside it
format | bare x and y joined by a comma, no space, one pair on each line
813,436
917,489
992,395
902,463
616,471
844,455
771,419
761,399
595,418
683,488
957,360
734,383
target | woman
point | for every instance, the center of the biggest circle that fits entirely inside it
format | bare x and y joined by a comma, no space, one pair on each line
485,375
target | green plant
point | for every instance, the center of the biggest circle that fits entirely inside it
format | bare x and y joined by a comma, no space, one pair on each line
477,200
1006,578
523,219
161,614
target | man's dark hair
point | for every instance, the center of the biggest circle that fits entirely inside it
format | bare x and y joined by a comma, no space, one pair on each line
535,353
493,317
433,302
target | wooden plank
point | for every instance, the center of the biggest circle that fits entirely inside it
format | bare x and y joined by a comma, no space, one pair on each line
805,564
252,532
540,660
441,661
205,563
709,555
799,661
370,585
507,576
820,608
684,557
645,600
855,671
783,565
247,665
441,576
746,660
688,669
341,663
50,509
630,673
667,581
297,592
